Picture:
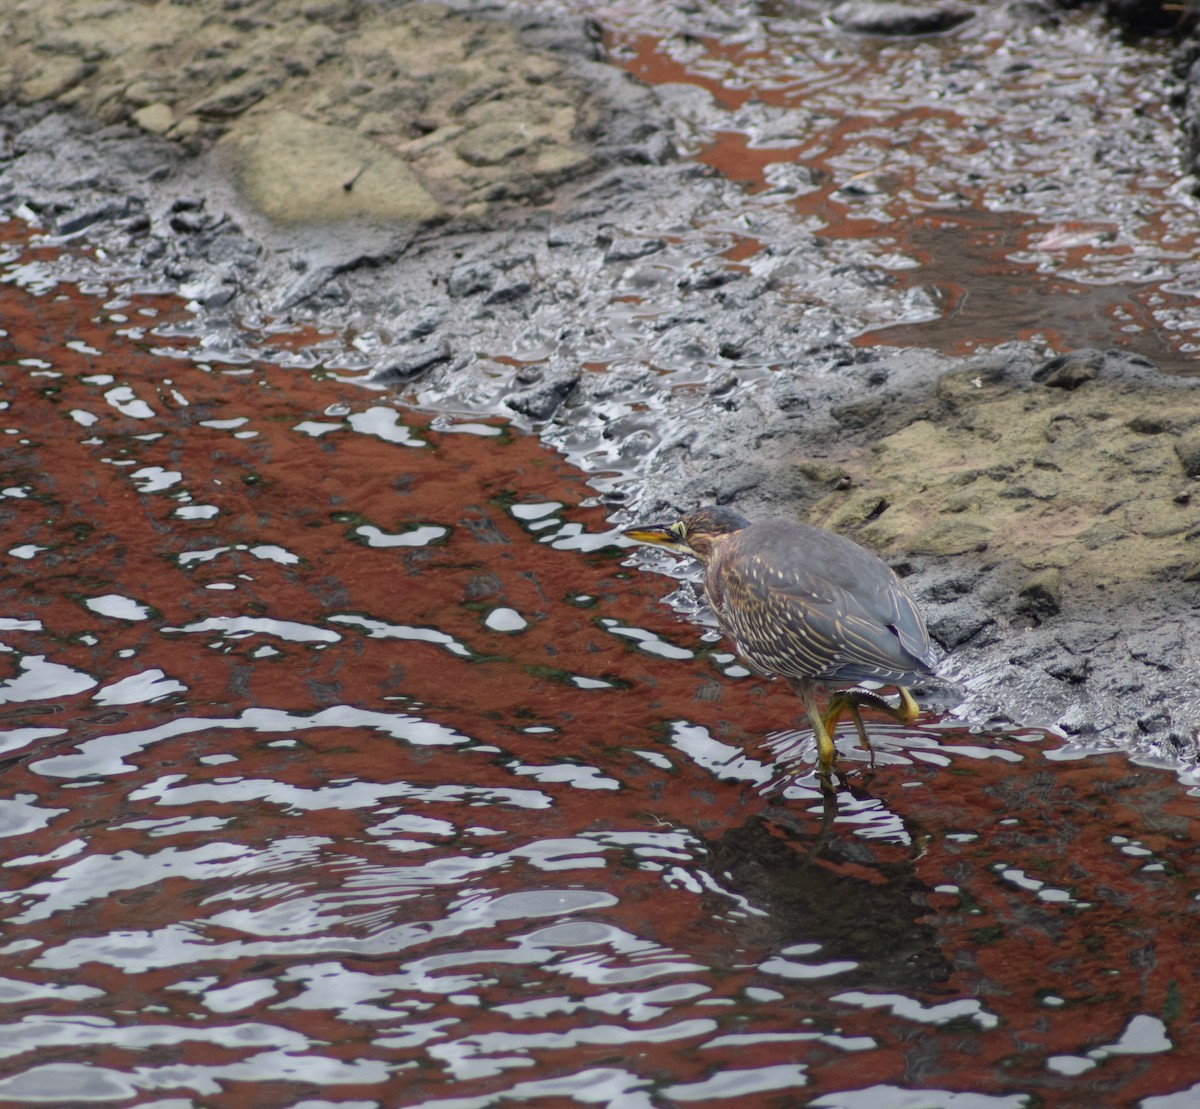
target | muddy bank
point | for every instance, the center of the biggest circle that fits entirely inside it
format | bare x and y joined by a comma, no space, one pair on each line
494,219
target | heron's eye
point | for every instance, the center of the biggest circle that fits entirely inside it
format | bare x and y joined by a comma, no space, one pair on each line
678,530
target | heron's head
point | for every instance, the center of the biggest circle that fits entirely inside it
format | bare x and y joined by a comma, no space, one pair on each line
693,534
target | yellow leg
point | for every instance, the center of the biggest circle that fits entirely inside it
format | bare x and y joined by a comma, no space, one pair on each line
908,709
849,701
826,752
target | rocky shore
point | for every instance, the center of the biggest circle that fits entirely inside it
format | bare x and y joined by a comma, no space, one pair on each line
504,223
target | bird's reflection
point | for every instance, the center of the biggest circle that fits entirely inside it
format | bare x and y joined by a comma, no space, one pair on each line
832,865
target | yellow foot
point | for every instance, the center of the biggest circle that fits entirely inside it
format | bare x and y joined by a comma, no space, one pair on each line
850,701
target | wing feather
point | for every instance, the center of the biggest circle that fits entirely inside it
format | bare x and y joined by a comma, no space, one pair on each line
842,616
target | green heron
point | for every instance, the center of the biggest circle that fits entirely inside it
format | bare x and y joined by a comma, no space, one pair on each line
809,605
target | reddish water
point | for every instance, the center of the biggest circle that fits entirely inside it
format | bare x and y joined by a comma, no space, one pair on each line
346,763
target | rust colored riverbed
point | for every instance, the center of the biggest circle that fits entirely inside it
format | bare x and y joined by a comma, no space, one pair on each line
347,763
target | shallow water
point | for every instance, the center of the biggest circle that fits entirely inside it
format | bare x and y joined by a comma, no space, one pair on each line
348,762
1010,179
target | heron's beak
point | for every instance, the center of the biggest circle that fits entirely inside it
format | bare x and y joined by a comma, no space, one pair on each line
656,535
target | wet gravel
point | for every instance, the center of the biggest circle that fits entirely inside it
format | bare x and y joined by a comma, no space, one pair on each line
617,313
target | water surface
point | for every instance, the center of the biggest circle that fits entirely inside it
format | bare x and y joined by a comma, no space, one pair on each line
348,762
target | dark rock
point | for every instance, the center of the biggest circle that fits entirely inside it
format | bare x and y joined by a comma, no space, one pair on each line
542,402
1076,722
858,415
624,249
1069,668
1156,720
529,375
1161,647
219,297
1069,371
1147,17
723,384
742,293
655,151
80,220
573,237
885,17
708,275
190,222
471,278
790,396
965,621
412,364
1040,597
425,326
1150,423
742,477
507,294
948,590
611,185
1088,634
